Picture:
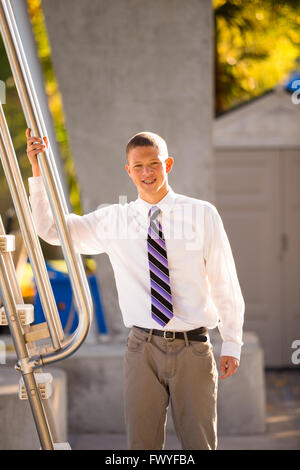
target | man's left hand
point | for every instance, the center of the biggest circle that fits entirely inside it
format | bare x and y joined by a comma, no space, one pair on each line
228,366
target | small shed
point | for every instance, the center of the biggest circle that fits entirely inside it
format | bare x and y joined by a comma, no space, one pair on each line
257,178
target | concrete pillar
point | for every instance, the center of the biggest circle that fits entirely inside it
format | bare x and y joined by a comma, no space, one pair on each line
17,430
242,397
127,66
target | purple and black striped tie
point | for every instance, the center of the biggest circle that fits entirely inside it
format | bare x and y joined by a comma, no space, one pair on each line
161,297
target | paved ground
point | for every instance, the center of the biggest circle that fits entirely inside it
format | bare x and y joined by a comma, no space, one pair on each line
282,422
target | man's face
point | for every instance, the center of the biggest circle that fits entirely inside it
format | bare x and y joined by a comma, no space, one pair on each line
148,170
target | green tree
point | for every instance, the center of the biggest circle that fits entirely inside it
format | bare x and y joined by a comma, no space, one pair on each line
257,45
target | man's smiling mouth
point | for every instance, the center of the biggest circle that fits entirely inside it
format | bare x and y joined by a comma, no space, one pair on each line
149,182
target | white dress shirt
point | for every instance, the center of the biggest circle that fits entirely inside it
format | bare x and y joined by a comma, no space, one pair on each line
203,279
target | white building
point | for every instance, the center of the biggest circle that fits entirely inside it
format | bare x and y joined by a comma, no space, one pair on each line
257,156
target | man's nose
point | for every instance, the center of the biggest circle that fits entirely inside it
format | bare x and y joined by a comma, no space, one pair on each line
147,170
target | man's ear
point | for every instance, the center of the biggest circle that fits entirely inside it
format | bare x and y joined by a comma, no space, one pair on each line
128,169
169,163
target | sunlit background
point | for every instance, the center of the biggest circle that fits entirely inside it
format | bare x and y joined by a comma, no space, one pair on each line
257,45
256,48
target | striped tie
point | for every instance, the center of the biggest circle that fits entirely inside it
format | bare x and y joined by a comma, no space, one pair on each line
161,297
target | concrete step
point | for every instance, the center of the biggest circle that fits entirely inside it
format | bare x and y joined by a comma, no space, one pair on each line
95,390
17,430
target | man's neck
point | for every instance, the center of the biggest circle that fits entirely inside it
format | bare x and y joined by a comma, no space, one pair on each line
155,198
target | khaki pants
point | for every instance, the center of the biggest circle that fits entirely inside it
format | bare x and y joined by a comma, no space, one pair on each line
180,371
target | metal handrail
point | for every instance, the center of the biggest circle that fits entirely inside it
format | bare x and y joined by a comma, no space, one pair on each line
20,200
62,347
11,296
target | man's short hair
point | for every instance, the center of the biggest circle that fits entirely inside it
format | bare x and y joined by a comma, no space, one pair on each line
147,139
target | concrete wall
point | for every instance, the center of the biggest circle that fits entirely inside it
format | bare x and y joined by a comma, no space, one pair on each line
17,430
95,404
127,66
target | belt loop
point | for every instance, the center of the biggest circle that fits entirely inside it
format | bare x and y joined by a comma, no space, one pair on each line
186,339
150,336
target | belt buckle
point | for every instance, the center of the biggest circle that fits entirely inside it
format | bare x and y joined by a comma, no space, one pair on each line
167,338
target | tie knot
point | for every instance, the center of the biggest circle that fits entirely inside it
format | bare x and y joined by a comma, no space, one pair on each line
154,212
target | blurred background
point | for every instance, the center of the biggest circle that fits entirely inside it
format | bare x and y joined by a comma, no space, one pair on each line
220,82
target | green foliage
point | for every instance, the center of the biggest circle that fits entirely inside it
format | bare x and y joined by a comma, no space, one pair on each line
257,45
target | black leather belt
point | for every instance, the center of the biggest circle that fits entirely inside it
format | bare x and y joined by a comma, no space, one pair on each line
194,335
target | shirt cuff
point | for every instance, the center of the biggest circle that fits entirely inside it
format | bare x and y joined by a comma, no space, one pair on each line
36,184
229,348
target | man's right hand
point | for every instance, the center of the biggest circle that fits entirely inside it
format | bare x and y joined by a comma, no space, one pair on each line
35,145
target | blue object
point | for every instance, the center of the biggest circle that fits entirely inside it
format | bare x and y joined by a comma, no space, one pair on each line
293,82
63,295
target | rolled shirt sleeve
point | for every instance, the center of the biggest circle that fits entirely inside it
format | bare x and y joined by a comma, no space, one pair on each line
225,289
88,232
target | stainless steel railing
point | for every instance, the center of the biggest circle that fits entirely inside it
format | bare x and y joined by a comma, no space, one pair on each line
61,346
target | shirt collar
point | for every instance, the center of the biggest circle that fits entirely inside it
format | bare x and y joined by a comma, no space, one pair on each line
144,206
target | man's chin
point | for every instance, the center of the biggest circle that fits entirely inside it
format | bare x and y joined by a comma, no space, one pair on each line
150,188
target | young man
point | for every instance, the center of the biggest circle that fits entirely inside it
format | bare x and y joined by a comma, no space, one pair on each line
176,278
